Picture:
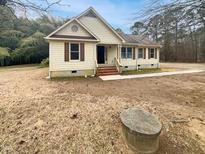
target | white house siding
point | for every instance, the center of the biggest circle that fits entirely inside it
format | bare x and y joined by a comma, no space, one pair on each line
96,26
148,63
131,64
67,30
111,53
59,67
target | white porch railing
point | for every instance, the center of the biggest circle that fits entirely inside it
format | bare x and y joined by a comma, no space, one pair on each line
118,65
96,67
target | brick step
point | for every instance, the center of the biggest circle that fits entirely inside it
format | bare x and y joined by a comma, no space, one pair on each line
108,70
107,73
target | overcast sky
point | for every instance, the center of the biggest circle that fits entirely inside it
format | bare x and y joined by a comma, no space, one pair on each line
119,13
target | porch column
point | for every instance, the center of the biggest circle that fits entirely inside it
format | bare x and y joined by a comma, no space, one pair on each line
118,52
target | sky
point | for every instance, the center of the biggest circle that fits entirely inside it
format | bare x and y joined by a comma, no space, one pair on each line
119,13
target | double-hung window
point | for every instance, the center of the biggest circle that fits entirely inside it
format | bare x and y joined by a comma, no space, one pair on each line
140,53
152,53
123,53
74,51
129,52
126,52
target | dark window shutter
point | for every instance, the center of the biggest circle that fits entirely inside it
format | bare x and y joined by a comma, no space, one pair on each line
155,53
133,53
66,51
144,53
82,52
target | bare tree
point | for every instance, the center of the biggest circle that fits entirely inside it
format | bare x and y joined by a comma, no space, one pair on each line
180,28
25,5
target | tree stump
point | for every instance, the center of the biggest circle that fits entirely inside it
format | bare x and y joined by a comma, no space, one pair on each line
140,130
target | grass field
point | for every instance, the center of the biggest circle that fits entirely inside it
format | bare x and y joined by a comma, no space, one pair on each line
148,70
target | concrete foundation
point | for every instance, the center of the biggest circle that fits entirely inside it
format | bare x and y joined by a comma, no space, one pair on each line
70,73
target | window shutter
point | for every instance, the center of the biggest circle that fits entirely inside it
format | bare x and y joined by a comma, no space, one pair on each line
144,53
133,53
66,51
155,53
82,52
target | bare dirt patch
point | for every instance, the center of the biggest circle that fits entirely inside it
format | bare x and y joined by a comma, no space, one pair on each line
82,116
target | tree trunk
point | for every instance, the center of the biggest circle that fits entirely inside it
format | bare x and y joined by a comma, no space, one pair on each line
176,41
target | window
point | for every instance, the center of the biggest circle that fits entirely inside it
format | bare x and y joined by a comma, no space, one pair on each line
151,52
129,52
126,52
74,51
123,52
140,53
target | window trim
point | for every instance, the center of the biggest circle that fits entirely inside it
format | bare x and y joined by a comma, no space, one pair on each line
142,53
125,53
131,53
126,47
151,54
74,60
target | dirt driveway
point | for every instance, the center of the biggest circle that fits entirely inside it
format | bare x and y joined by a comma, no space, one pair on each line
184,66
82,115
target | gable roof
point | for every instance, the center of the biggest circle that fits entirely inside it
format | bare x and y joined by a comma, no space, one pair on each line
53,35
138,40
92,12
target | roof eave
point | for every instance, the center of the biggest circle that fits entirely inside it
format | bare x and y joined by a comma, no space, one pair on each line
68,39
68,22
144,45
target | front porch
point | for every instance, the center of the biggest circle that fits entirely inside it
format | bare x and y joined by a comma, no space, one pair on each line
107,59
105,54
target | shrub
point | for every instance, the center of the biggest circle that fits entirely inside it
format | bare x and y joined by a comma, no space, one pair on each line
45,62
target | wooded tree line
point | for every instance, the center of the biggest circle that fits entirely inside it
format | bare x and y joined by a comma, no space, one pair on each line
179,26
21,39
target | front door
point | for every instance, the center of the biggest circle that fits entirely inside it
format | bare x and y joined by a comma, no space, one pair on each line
101,54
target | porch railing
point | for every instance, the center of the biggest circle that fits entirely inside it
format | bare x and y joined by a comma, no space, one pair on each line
96,67
118,64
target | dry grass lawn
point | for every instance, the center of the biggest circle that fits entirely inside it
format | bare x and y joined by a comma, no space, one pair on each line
82,116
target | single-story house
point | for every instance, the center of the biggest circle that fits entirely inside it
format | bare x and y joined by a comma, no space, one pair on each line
88,45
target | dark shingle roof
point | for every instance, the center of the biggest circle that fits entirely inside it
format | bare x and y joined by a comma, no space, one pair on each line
137,39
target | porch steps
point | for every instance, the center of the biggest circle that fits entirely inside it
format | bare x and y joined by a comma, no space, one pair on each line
107,70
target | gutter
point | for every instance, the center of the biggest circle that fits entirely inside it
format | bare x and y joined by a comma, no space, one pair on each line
142,45
64,39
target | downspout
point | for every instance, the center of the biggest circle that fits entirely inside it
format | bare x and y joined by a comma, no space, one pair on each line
49,74
95,59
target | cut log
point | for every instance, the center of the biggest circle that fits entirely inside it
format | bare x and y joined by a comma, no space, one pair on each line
140,130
